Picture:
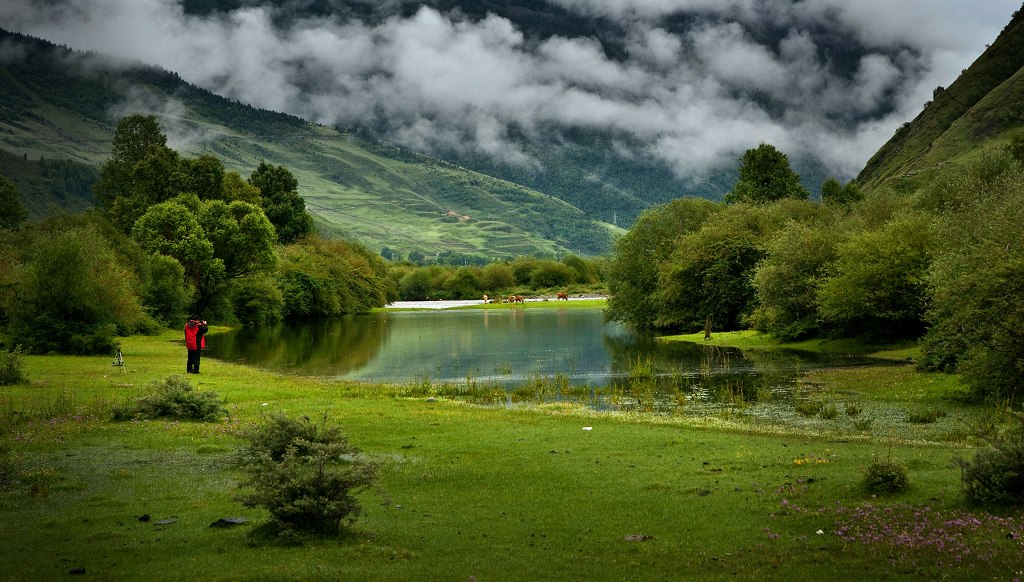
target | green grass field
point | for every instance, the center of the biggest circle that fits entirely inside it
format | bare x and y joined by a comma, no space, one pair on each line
525,493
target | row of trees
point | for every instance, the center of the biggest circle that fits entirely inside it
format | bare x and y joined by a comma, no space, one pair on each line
945,262
173,236
522,275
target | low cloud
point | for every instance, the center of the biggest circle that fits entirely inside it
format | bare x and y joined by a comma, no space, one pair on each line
694,99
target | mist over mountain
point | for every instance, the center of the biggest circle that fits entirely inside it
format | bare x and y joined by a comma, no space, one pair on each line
610,105
60,108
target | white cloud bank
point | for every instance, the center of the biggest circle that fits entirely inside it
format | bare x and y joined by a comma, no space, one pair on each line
436,81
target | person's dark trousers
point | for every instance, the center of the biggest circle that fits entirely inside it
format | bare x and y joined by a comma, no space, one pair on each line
192,366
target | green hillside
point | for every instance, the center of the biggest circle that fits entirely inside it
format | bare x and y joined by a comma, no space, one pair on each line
983,109
58,104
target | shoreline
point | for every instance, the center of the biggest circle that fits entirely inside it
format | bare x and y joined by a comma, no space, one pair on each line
455,303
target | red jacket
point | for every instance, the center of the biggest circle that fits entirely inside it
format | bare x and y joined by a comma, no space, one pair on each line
194,332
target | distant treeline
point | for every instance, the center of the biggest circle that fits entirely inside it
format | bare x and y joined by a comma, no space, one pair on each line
524,275
49,185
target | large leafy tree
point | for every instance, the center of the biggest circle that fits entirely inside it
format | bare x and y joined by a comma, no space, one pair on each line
766,176
788,279
212,223
241,235
202,176
322,277
173,229
877,285
166,294
284,207
709,271
215,242
74,294
632,274
140,166
832,192
976,284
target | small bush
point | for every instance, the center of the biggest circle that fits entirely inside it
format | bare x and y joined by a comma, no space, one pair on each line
925,416
11,370
854,408
862,423
305,474
829,412
809,407
174,398
995,476
885,476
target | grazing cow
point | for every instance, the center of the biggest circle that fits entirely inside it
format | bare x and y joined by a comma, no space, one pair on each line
561,295
515,298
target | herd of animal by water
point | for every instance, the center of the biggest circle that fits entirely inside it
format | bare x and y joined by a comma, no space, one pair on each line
560,296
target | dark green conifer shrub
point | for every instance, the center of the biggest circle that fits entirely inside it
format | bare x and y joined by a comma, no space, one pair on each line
175,398
305,473
885,476
995,476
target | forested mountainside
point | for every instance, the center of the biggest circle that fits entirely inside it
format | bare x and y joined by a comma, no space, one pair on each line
599,167
982,110
59,104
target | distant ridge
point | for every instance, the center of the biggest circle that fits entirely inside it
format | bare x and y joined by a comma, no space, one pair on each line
981,110
59,104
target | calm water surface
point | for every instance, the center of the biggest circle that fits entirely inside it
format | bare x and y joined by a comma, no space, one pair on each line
506,346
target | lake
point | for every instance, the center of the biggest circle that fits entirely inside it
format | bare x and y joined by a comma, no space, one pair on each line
510,348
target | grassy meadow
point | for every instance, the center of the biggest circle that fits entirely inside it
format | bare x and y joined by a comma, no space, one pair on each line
538,492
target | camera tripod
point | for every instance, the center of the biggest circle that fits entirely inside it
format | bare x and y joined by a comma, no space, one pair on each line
119,360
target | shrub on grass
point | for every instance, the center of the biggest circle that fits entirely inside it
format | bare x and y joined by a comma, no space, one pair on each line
995,476
306,474
11,370
925,416
174,397
885,476
862,423
809,407
829,412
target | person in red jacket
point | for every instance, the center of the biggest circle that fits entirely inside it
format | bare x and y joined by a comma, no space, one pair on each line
195,329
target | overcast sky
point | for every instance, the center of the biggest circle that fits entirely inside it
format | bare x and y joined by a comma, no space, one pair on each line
434,80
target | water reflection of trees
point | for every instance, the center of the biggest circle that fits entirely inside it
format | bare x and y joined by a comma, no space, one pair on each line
703,372
667,357
331,346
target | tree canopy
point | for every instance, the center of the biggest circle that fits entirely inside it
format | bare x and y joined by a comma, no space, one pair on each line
281,202
766,176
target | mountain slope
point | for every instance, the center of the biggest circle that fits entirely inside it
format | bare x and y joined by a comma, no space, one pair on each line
61,104
612,170
981,110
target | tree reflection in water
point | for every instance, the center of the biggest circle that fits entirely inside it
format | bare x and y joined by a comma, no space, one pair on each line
510,347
